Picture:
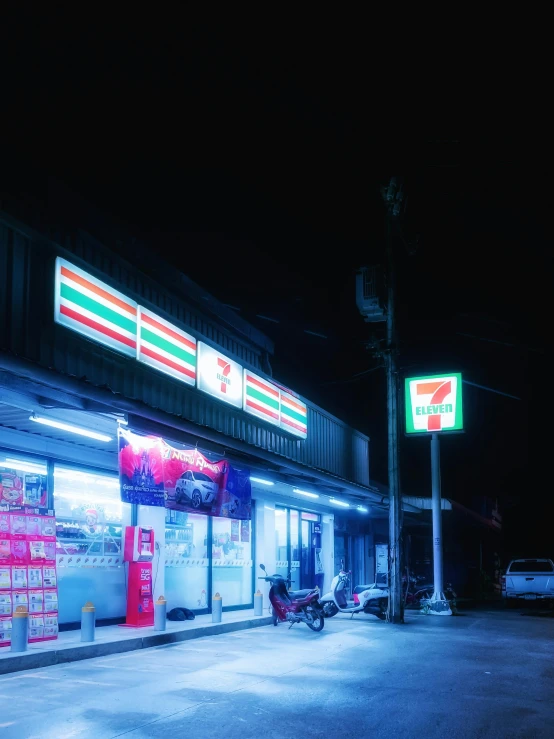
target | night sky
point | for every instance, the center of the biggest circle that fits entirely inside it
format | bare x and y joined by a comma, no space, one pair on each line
259,176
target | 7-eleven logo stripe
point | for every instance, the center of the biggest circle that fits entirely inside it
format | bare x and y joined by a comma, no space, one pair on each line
438,391
226,369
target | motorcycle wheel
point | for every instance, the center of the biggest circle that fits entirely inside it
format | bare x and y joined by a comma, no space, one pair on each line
330,610
275,619
318,620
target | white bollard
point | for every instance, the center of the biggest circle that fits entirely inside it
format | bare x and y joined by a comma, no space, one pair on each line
20,629
217,608
258,603
160,609
88,621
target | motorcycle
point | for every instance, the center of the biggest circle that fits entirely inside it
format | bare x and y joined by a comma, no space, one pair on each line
421,593
373,600
300,606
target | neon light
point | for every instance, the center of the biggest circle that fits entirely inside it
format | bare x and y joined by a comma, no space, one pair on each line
69,427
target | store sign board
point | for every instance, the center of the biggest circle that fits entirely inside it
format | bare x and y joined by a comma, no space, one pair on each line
101,313
434,403
294,415
94,309
261,398
166,348
219,376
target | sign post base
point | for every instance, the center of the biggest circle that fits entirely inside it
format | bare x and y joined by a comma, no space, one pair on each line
438,606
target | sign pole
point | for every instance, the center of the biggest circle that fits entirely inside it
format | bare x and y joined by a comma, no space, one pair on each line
439,605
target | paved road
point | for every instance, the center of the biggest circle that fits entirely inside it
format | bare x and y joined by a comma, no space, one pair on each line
477,675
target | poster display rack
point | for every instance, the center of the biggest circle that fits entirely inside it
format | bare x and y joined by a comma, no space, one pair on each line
28,571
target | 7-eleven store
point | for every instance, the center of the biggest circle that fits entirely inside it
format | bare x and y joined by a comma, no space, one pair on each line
90,343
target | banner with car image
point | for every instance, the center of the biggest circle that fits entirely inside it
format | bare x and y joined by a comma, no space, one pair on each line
195,483
153,472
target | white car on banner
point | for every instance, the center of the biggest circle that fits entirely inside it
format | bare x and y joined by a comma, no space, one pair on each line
195,488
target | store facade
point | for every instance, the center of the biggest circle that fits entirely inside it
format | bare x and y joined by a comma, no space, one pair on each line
89,347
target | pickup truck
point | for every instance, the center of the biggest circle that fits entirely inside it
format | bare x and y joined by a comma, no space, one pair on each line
528,579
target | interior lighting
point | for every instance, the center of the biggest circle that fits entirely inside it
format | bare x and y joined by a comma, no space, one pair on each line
19,464
362,509
261,481
340,503
69,427
305,492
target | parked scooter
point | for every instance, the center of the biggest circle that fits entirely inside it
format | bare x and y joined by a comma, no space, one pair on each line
373,600
301,606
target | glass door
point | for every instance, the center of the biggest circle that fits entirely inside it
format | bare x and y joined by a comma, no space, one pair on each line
294,519
281,542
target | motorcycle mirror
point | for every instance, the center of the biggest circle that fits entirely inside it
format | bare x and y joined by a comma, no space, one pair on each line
262,567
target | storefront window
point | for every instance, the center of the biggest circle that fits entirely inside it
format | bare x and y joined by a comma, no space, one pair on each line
23,481
232,561
186,560
89,553
281,543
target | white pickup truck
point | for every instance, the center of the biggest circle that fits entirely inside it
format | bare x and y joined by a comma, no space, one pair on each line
528,579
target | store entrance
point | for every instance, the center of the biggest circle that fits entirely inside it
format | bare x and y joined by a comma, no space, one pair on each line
298,536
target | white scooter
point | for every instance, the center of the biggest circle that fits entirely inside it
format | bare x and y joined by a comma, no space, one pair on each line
374,600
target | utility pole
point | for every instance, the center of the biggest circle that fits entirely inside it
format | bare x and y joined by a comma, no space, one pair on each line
369,305
393,200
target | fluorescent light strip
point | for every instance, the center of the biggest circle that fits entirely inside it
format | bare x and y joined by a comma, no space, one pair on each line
362,509
69,427
305,492
340,503
261,481
19,464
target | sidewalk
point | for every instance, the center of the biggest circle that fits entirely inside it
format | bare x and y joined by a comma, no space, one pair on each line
115,639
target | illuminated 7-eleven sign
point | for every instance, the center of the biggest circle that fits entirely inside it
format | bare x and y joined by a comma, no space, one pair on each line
434,404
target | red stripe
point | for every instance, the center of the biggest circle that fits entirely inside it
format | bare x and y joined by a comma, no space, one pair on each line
260,408
262,385
98,291
294,425
434,423
440,394
168,331
158,357
97,326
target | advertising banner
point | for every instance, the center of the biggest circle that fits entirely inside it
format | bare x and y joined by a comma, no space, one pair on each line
141,469
194,483
153,472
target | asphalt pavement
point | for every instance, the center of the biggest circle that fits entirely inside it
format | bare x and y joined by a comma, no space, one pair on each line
481,674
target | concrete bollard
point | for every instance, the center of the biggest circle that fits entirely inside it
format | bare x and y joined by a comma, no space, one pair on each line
258,603
88,621
20,629
217,608
160,609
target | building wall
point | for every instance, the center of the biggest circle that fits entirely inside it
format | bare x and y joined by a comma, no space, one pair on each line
29,332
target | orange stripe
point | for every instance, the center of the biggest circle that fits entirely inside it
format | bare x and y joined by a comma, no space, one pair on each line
301,408
428,388
168,331
98,291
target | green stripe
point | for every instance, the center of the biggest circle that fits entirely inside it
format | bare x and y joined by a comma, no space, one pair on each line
268,400
167,346
98,309
293,414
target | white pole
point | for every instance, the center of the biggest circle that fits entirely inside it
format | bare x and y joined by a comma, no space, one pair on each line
439,605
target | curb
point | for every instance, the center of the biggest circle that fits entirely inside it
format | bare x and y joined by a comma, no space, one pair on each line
33,661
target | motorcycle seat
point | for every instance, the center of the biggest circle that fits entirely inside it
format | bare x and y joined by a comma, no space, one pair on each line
297,594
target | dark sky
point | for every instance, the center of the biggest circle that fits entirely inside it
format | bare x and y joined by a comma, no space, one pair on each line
258,173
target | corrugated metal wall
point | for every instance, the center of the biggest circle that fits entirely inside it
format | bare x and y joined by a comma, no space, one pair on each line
27,329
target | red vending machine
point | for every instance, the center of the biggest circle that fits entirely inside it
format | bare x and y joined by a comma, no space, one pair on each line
139,552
